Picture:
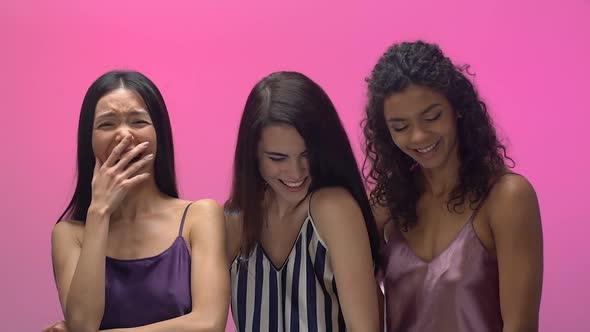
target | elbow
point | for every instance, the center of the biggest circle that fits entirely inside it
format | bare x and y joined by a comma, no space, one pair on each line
76,322
80,326
213,325
209,323
521,327
368,326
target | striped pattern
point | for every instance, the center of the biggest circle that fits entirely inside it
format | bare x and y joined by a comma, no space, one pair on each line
299,296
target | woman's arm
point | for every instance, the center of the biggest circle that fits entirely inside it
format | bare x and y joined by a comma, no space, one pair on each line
515,221
342,226
79,270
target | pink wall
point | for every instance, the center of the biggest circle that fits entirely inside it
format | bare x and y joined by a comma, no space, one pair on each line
531,59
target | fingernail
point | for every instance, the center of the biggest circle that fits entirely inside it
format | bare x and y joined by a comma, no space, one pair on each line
149,156
145,143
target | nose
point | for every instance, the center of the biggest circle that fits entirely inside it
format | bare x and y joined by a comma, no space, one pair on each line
124,131
417,135
296,169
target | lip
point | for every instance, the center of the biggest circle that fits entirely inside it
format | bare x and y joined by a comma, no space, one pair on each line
430,153
295,189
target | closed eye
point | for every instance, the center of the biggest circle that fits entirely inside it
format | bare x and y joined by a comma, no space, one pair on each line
434,118
398,129
104,125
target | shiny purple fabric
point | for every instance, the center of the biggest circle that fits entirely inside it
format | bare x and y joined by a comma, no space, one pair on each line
148,290
458,291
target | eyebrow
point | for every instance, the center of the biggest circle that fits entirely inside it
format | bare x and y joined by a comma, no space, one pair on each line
110,113
278,154
427,109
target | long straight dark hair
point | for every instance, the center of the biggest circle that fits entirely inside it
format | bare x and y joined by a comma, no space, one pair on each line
165,175
293,99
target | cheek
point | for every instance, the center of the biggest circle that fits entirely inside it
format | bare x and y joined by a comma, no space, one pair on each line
397,139
147,135
264,169
99,147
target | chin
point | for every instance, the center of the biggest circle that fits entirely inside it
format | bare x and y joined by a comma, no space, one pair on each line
293,197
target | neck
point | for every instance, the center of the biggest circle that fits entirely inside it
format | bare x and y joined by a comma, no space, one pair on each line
440,181
279,207
143,200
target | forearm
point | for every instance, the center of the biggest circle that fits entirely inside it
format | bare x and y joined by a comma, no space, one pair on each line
521,328
85,300
367,326
193,322
525,322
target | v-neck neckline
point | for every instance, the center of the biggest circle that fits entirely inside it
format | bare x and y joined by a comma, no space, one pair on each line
282,266
447,248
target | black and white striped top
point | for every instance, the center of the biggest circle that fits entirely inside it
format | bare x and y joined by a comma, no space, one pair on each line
299,296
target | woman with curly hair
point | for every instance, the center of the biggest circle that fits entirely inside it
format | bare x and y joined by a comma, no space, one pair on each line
463,242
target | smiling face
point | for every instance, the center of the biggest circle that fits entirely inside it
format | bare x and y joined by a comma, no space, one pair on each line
283,162
423,124
121,113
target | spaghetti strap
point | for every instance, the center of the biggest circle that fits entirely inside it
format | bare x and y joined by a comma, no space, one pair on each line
309,205
182,220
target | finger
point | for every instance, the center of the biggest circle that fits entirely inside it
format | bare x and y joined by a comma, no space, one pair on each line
134,181
117,151
49,328
127,157
136,166
97,165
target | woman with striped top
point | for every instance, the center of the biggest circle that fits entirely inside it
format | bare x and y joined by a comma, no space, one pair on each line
301,236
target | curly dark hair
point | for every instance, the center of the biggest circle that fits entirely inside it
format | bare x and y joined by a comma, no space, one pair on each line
389,171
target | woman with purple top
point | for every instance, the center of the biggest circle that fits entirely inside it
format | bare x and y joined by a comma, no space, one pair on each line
128,254
462,244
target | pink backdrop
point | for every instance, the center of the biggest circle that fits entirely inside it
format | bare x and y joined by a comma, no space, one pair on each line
531,59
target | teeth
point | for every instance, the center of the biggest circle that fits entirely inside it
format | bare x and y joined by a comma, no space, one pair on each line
293,184
427,149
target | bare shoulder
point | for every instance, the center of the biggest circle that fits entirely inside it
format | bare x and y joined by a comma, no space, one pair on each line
513,199
332,200
204,220
512,190
205,213
205,206
67,230
334,211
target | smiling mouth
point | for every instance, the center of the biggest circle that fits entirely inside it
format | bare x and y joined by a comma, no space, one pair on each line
428,148
291,185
